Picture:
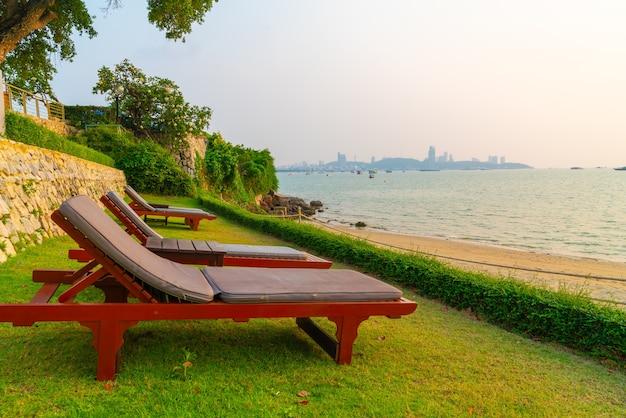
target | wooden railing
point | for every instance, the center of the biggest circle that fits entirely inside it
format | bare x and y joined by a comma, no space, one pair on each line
26,102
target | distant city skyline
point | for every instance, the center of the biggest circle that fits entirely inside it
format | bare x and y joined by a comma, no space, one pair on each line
431,157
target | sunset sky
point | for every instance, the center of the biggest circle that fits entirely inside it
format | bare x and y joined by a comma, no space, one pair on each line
538,82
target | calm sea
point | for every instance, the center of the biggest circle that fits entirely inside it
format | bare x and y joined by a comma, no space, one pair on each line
557,211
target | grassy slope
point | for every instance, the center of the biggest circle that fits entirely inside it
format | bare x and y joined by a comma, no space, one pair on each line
436,362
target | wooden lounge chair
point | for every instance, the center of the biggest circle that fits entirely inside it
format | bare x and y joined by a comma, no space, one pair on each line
192,216
204,252
168,291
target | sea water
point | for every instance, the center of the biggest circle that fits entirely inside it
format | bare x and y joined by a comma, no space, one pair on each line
558,211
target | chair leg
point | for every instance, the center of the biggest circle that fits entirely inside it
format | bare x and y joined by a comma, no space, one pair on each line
347,331
108,340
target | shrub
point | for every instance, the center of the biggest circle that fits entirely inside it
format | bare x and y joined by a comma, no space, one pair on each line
110,140
23,129
149,168
235,172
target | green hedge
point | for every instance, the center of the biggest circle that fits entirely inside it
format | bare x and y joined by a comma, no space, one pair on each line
22,129
79,116
554,316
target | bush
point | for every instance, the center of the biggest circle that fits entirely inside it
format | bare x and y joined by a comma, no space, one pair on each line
149,168
572,320
235,172
24,130
110,140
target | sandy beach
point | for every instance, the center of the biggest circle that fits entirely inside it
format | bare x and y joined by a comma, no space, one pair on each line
604,281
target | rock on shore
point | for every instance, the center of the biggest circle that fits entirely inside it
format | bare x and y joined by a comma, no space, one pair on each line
273,202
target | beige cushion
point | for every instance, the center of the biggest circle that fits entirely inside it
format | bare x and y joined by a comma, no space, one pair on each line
132,193
263,285
262,251
181,281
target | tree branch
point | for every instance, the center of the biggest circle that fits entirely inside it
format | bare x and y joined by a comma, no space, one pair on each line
20,19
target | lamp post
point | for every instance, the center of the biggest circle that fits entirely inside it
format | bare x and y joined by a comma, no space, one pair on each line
118,89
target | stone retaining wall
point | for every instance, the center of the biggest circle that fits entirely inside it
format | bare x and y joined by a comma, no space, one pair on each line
34,182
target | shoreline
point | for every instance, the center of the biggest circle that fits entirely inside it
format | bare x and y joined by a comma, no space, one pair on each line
555,271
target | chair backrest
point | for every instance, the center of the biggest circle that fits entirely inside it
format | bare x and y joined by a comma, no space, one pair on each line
129,217
180,281
136,197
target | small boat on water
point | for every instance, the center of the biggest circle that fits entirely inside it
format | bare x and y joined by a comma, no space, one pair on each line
620,168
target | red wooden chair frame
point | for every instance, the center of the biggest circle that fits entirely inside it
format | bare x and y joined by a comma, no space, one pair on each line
109,320
192,217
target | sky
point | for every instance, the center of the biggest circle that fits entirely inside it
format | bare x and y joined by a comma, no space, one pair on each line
540,82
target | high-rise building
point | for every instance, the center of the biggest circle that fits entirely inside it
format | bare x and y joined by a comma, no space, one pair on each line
431,154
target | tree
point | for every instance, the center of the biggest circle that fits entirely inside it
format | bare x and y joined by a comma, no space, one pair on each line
152,107
35,32
257,170
31,32
220,164
238,172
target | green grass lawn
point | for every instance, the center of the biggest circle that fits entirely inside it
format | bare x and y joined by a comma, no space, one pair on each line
435,362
